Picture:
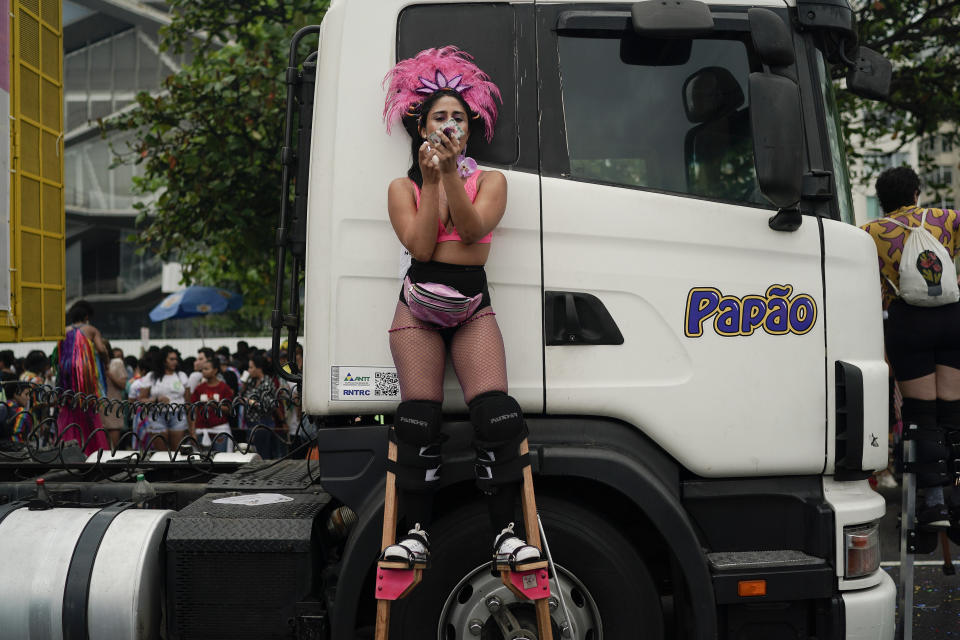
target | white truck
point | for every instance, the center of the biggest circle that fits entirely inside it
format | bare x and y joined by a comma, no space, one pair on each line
692,323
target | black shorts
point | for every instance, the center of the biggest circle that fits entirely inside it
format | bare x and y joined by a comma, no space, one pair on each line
467,279
920,338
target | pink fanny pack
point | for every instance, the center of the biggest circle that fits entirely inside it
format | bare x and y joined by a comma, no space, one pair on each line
439,304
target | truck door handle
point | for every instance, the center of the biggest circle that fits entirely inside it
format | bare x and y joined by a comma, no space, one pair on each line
572,317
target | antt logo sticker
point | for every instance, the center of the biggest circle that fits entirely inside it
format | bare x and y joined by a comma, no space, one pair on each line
777,312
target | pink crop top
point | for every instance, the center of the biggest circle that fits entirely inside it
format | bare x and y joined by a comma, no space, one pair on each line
470,186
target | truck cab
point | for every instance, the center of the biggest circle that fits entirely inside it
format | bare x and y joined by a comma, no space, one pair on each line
692,323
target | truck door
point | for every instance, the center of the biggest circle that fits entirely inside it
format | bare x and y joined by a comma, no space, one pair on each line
669,302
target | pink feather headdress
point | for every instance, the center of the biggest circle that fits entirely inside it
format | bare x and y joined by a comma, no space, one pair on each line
413,79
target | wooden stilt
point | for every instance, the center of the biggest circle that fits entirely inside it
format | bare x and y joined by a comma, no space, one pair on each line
394,580
529,501
383,620
531,580
390,502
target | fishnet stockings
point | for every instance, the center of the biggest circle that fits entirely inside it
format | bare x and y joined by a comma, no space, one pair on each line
418,352
478,356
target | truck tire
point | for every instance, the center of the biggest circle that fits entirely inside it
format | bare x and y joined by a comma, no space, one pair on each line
609,591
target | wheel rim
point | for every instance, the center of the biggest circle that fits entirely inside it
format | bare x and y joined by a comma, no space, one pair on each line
467,606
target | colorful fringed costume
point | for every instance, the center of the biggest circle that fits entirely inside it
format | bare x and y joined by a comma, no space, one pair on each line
80,370
16,423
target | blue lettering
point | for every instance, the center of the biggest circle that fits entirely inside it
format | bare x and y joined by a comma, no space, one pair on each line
728,322
778,312
701,304
777,321
754,311
803,313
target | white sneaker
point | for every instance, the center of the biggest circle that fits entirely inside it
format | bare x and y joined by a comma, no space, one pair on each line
509,551
413,549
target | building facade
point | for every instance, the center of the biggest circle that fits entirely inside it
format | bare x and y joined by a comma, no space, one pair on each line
111,53
941,183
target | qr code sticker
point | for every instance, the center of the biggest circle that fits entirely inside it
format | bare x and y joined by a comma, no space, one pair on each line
386,383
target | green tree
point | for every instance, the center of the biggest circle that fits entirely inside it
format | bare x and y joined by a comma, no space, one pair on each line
209,145
922,40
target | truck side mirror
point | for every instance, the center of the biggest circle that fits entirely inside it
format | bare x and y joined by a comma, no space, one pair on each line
673,19
777,137
771,37
870,76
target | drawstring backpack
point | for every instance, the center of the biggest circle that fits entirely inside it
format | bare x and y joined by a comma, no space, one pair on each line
928,277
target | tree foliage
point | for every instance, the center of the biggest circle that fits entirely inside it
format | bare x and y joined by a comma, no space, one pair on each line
922,40
209,144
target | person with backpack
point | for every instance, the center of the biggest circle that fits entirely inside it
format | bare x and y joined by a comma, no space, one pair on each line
916,247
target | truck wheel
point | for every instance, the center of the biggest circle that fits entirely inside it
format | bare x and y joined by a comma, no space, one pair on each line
605,583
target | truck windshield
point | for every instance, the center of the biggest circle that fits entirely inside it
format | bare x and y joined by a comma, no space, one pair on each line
666,115
838,154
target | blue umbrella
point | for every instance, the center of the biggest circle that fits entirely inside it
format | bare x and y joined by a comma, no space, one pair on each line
196,301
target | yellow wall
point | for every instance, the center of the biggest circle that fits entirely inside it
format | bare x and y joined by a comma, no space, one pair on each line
36,179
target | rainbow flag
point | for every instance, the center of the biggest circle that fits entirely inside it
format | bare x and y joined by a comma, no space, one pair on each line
78,366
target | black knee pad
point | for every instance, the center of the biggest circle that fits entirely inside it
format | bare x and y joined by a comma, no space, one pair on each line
418,422
416,432
500,428
932,448
932,464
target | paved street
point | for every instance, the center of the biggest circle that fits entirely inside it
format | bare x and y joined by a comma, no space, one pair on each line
936,612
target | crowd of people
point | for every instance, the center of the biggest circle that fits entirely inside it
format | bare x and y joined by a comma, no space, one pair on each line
234,395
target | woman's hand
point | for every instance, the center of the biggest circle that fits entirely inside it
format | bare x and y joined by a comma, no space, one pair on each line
447,153
428,168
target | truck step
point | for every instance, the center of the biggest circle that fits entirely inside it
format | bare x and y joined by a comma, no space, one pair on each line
780,558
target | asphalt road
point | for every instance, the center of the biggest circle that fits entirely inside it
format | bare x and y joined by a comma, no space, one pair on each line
936,605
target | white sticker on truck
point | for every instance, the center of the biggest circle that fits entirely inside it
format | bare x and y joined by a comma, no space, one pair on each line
364,383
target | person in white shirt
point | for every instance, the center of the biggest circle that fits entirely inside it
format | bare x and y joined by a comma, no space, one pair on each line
204,354
167,385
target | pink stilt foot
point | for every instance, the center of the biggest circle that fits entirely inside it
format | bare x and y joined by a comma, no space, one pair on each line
393,584
533,584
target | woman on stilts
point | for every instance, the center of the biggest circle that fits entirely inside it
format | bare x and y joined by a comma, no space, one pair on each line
444,211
